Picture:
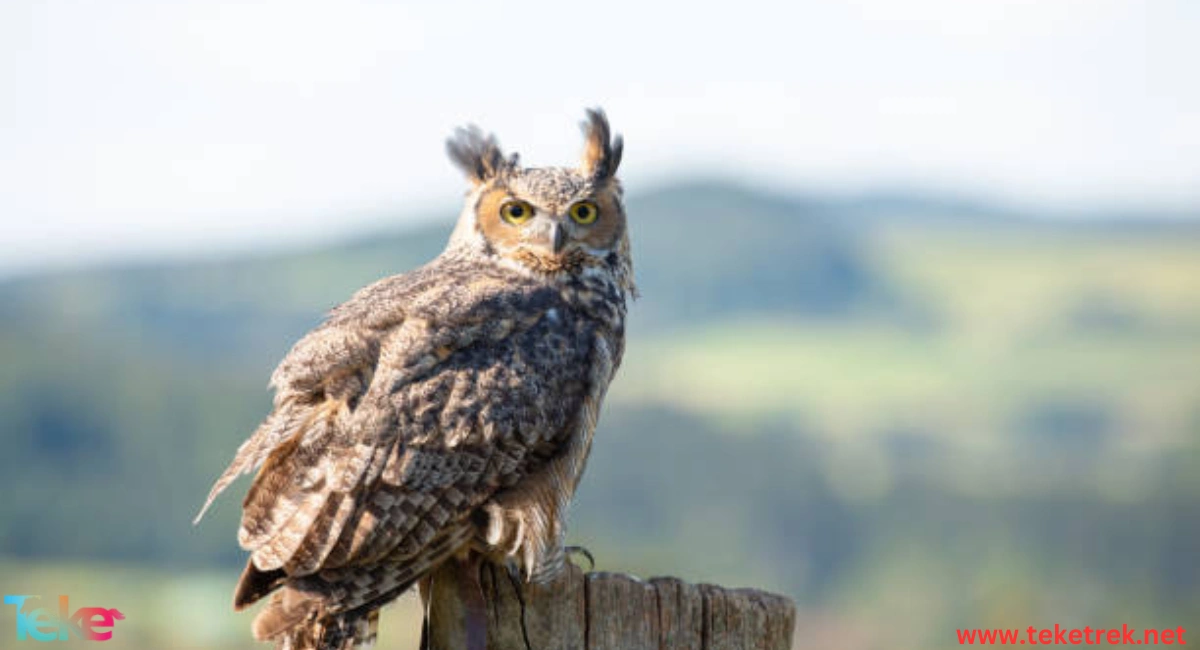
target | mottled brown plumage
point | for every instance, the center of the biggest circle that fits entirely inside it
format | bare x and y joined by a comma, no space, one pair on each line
447,409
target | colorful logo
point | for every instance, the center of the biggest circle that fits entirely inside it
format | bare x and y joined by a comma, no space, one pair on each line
42,625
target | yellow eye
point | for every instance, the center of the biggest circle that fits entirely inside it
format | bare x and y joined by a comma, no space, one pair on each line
516,212
584,212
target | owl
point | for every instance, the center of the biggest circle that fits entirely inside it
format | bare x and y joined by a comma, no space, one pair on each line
446,412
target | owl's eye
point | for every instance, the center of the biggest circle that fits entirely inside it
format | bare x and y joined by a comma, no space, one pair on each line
516,212
584,212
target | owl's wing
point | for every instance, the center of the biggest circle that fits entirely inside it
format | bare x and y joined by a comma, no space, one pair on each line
319,377
332,366
348,475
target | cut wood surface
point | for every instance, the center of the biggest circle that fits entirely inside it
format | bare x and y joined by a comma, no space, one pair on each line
610,611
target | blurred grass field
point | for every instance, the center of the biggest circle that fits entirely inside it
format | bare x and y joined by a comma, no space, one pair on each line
180,610
1009,322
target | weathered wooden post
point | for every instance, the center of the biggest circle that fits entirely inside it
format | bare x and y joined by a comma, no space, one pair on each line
611,611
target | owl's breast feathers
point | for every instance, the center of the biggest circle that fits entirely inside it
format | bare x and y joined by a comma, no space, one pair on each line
428,407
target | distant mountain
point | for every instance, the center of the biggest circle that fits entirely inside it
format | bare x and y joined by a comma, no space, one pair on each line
699,251
707,250
869,210
702,250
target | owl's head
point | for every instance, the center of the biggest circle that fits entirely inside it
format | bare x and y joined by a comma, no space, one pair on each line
550,221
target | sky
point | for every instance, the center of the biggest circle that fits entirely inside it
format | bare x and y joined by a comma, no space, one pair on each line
136,128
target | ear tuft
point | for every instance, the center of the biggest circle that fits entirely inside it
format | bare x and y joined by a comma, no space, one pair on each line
601,151
477,155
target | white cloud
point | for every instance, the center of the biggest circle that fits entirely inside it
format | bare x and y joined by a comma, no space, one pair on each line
144,125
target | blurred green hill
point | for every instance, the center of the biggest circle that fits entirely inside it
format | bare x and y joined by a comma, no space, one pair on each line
912,414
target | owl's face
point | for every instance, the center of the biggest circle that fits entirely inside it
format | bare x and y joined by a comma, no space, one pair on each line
550,221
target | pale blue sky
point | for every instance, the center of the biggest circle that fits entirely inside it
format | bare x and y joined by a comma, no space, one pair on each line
135,128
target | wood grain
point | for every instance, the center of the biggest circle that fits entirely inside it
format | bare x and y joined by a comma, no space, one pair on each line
609,611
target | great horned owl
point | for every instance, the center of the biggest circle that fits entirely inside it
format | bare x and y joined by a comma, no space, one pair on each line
443,411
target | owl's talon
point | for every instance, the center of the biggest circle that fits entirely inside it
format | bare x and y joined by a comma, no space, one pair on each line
581,550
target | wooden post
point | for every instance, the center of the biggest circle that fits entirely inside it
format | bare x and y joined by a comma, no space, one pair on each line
610,611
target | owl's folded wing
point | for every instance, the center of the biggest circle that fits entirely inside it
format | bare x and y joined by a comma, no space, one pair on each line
422,315
316,382
342,486
359,476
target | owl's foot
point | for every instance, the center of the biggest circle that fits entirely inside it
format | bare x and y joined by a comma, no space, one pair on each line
581,550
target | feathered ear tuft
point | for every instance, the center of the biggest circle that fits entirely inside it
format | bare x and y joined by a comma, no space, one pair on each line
477,155
601,151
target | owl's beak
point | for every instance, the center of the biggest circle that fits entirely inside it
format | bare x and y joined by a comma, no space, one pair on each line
551,237
558,238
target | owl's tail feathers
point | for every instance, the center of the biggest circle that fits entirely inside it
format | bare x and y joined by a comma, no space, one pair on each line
252,453
299,624
254,584
287,615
